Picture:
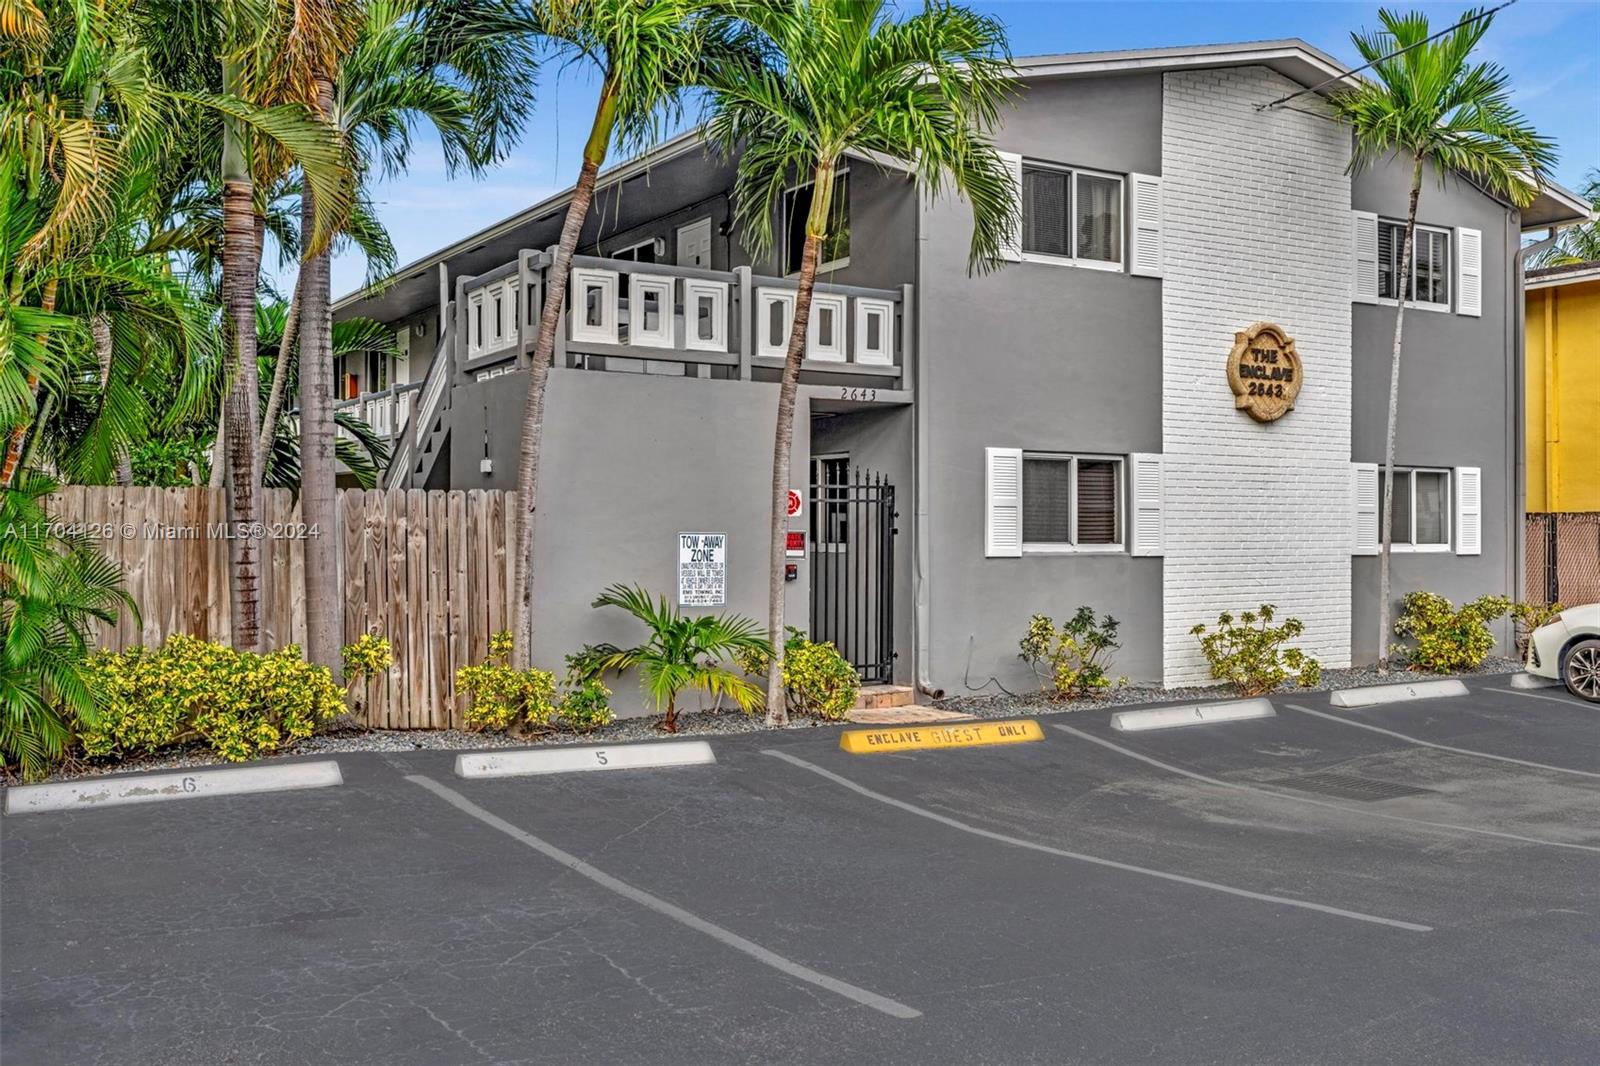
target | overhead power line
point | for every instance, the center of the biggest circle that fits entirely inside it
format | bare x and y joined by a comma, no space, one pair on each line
1280,101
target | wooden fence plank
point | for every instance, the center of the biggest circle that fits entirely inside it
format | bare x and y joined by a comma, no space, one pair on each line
460,610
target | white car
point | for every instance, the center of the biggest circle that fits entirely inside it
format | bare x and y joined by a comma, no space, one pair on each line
1567,649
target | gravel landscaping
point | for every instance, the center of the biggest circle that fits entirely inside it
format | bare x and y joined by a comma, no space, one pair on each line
722,723
1004,705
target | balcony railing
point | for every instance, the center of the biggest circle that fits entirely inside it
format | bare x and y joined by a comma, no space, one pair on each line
652,317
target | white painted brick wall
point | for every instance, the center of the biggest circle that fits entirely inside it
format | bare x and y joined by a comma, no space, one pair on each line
1256,216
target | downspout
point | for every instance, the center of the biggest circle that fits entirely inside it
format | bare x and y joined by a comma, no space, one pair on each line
1519,413
919,474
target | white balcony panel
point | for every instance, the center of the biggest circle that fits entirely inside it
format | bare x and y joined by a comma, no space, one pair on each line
650,310
592,312
874,332
825,328
774,317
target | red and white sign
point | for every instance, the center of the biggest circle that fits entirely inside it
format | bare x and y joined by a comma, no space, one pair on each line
796,545
796,501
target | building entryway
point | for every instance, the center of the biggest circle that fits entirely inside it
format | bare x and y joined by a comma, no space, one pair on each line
852,534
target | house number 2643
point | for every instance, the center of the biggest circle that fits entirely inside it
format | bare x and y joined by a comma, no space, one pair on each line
847,393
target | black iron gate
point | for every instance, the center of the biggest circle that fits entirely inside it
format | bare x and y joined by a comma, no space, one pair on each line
852,532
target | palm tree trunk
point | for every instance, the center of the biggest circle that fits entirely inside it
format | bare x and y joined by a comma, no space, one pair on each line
280,368
670,723
319,468
783,439
594,153
239,267
19,435
1403,287
100,328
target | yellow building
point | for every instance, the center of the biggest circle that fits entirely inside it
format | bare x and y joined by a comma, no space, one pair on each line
1563,368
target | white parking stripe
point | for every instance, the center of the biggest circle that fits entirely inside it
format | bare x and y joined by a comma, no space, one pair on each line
1442,747
1565,701
990,834
1275,794
670,910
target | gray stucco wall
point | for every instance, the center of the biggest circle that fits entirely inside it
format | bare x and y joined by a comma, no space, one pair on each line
630,461
1052,358
1456,374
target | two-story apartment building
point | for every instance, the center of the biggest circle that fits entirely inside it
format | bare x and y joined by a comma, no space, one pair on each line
1169,402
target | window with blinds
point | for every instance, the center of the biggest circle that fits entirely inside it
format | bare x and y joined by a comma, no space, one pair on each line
1071,214
1071,501
1430,266
1420,518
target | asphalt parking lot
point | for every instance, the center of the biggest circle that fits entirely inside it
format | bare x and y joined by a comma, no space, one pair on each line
1290,889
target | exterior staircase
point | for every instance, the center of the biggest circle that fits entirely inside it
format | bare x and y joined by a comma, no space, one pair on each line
895,705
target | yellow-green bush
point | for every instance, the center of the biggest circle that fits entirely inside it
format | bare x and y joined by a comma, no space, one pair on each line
503,697
1070,661
1447,639
585,707
1528,617
1247,652
369,656
817,680
238,703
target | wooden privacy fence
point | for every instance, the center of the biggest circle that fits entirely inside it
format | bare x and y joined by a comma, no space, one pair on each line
427,570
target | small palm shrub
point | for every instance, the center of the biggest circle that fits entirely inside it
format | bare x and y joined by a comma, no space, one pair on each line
504,697
1249,653
1070,661
1528,617
54,589
1447,639
680,652
817,680
238,703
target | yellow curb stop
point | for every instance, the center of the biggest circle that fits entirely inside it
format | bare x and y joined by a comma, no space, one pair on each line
966,735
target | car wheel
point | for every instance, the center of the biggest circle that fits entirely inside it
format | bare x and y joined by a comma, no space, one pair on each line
1580,669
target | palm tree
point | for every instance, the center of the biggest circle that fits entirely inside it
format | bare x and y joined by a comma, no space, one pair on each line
646,52
55,589
1580,243
847,76
364,452
682,653
464,67
1429,104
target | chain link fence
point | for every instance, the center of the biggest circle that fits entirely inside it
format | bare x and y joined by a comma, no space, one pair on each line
1563,558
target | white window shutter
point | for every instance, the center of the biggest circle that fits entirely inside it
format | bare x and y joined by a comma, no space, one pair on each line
1469,510
1469,271
1148,500
1364,508
1011,248
1364,258
1146,257
1002,519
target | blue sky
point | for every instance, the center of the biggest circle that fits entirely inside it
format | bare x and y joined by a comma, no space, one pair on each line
1550,48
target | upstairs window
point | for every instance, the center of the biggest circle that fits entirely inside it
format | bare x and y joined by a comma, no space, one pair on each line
1071,214
835,251
1429,284
1421,516
1071,501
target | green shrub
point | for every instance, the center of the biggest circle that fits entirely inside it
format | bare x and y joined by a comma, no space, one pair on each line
1070,661
238,703
368,657
585,708
504,697
1248,653
1528,617
1447,639
817,680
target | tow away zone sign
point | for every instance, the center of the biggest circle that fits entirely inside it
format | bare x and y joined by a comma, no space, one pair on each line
966,735
702,569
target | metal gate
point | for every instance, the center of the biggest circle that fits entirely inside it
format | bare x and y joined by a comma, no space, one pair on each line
852,568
